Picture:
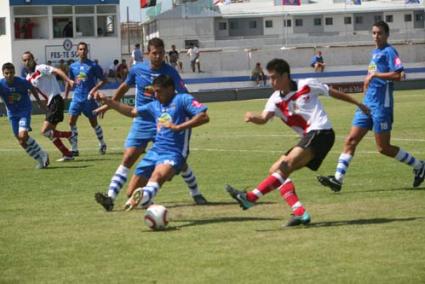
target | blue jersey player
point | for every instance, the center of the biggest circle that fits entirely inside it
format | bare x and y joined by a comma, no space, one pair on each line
384,68
88,78
174,116
14,93
143,129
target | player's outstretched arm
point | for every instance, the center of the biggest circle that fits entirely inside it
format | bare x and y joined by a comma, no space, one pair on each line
65,78
120,107
197,120
34,92
119,93
258,118
346,98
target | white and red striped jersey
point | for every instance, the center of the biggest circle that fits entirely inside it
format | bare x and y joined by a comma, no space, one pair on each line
44,80
301,110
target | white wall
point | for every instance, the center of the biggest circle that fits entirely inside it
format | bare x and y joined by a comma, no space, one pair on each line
5,40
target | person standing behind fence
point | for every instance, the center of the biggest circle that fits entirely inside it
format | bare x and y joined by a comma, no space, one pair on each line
173,59
136,54
193,54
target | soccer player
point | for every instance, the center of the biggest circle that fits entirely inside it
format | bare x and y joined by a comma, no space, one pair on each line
174,115
85,73
298,106
43,78
14,93
384,68
143,130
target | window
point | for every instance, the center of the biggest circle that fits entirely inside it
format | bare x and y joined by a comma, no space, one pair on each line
377,18
419,17
2,26
347,20
287,23
84,9
106,9
106,25
298,22
252,24
62,10
329,21
233,25
222,26
359,19
63,27
408,17
31,22
389,18
317,21
269,24
84,26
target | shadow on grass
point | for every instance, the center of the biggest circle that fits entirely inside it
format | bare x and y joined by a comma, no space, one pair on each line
210,203
68,166
382,190
355,222
219,220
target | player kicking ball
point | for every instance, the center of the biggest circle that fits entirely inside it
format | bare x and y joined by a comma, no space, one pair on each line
298,106
175,115
14,93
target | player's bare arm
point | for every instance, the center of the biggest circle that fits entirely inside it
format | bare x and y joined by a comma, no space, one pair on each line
65,78
97,87
41,104
119,93
258,118
346,98
120,107
392,76
195,121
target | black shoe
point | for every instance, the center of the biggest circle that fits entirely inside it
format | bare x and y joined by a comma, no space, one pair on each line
331,182
419,175
299,220
75,153
102,149
104,200
199,199
240,197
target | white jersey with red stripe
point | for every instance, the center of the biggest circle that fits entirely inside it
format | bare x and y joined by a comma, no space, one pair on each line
301,110
44,80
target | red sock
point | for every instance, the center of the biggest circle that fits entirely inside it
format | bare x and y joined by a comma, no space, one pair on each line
61,134
287,191
58,143
269,184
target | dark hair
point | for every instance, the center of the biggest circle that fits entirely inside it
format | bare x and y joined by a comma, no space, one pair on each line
137,45
383,26
280,66
155,42
8,66
163,81
116,62
29,53
83,43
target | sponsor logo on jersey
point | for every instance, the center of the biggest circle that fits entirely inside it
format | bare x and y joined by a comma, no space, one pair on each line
196,104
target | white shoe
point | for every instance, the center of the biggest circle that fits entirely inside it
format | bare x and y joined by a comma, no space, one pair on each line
65,159
43,161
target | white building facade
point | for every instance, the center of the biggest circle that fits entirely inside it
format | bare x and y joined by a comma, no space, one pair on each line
51,29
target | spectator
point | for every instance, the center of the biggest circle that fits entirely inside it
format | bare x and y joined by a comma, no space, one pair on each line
68,30
317,62
136,54
258,75
173,58
122,70
193,54
112,71
27,28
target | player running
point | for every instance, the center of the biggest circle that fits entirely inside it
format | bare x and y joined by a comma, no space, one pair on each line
85,74
14,93
298,106
384,68
174,115
143,129
43,78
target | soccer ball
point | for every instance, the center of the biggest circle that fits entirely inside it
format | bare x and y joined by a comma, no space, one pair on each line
156,217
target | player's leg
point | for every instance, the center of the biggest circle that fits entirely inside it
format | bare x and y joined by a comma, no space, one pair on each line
90,106
192,184
362,123
21,127
384,147
75,109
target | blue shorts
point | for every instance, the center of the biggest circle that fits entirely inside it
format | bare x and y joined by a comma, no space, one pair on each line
20,123
140,134
152,159
86,107
378,121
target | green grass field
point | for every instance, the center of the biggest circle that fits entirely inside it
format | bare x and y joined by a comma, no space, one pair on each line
52,231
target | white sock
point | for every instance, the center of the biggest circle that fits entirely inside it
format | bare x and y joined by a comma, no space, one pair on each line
408,159
190,179
342,166
117,182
